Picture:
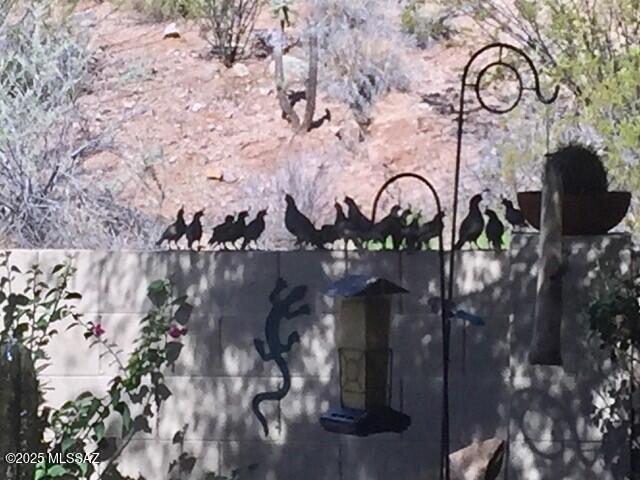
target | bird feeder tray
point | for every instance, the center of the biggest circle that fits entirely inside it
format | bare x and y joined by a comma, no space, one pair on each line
363,286
362,423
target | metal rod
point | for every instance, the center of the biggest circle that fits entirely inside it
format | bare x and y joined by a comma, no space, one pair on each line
445,323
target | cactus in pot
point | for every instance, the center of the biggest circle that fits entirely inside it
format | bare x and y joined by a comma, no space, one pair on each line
581,169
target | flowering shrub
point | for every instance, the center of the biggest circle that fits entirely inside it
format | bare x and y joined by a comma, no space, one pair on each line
33,316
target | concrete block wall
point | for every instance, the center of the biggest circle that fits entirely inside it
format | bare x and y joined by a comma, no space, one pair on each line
543,412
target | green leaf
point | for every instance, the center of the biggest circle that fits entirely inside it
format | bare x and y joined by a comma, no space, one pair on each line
73,296
173,352
162,391
123,409
67,443
183,313
99,431
56,471
157,293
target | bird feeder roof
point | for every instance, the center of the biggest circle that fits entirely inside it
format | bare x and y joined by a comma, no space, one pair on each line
363,286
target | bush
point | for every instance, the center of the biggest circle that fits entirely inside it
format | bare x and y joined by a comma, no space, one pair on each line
360,52
426,25
47,197
227,26
159,10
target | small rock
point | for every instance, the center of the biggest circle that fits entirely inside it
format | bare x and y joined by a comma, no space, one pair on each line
129,105
240,70
211,127
172,159
229,115
478,461
213,173
171,31
264,91
197,106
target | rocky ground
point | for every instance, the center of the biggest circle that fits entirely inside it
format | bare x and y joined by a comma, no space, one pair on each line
188,131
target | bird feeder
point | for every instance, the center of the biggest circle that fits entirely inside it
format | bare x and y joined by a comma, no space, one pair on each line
365,358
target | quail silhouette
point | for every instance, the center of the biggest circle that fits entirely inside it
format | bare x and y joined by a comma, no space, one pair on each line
175,231
494,230
431,229
411,230
220,232
513,215
357,221
389,226
237,230
253,230
194,230
298,225
472,226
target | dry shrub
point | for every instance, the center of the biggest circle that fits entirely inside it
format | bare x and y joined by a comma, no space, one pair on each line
47,196
361,52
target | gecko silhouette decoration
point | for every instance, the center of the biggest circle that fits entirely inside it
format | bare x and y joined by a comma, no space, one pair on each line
273,349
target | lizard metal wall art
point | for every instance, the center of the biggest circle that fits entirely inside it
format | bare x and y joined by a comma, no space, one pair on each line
273,349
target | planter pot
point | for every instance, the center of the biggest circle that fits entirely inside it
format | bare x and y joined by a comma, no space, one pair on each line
593,214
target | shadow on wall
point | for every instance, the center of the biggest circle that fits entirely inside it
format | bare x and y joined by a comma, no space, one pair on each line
543,411
551,432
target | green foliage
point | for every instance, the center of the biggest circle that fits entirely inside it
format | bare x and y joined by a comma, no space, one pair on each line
227,25
426,24
593,49
614,320
31,315
139,386
161,10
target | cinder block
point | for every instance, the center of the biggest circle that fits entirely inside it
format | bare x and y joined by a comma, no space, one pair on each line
23,260
87,279
416,341
152,458
218,408
316,270
549,404
308,399
311,460
550,460
81,359
316,355
372,458
420,274
57,390
124,279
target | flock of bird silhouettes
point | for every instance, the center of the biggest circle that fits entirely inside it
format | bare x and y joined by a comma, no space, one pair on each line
400,228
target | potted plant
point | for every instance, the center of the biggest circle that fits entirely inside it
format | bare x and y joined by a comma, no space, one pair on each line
588,207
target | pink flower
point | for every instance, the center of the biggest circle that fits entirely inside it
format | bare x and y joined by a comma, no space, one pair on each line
176,332
97,330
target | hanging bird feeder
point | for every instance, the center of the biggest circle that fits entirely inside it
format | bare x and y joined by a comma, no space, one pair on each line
365,358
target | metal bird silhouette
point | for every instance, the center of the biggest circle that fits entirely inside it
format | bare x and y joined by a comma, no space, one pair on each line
254,229
299,225
513,215
221,232
494,230
194,230
175,231
237,230
431,229
473,225
358,221
389,226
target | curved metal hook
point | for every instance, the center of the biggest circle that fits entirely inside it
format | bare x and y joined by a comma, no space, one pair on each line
476,85
395,178
536,77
